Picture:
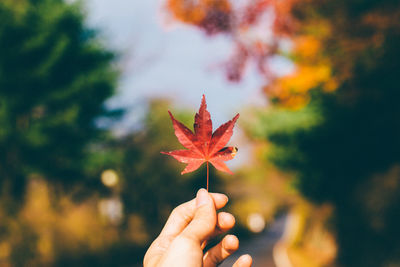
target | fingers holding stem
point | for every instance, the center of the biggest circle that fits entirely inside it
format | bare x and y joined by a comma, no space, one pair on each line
217,254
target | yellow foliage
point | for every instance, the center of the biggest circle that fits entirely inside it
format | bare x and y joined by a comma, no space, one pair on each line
307,47
292,90
5,250
305,78
59,224
313,70
308,242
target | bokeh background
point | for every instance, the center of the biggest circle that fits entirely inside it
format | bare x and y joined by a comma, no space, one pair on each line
84,91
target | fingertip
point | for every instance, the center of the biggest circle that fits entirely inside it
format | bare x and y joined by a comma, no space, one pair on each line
225,220
202,197
245,261
220,200
217,254
230,243
220,197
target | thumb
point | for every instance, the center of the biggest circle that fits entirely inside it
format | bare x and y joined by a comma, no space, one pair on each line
205,218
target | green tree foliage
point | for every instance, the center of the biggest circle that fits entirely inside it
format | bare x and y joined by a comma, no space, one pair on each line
54,79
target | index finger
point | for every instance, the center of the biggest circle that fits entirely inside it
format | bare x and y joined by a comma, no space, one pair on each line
182,215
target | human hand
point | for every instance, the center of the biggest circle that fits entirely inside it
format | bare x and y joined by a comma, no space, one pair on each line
187,230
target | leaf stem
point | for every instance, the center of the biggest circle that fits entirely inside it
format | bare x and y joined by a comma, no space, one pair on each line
207,176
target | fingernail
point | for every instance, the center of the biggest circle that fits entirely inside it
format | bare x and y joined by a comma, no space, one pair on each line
245,259
202,197
227,198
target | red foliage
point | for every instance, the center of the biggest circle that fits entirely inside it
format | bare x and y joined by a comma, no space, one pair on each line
256,28
221,16
203,145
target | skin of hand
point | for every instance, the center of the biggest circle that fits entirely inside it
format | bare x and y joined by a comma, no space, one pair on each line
187,230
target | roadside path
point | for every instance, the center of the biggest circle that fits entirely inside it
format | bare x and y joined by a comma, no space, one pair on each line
260,247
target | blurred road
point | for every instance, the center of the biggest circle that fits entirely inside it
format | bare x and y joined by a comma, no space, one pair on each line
260,247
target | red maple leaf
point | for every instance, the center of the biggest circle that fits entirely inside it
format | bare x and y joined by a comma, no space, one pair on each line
203,145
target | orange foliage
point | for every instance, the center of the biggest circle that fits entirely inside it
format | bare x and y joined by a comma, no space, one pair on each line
307,47
212,15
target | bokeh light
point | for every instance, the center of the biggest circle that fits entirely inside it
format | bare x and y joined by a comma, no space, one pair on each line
109,178
111,209
256,222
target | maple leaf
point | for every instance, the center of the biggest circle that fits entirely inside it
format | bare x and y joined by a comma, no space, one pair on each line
203,145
